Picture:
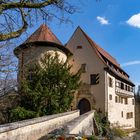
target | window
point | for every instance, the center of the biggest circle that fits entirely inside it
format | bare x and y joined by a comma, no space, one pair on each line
116,99
125,87
110,82
117,84
132,90
129,115
133,101
122,85
122,100
122,114
110,97
125,101
94,79
128,88
119,99
83,68
79,47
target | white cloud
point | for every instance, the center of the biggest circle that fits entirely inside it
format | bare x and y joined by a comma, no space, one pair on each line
134,20
131,63
102,20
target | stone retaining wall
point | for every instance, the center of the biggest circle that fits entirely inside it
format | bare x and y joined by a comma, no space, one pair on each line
81,125
33,129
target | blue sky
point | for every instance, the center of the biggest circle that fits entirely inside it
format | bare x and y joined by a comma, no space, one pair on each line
112,24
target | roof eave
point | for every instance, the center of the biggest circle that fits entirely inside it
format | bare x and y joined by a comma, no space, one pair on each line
42,43
109,70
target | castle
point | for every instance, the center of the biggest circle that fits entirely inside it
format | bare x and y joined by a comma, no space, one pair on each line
106,86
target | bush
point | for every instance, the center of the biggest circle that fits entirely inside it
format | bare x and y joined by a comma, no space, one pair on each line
92,138
103,124
119,132
21,113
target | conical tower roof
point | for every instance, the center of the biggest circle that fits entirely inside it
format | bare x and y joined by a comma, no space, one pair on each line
43,33
43,36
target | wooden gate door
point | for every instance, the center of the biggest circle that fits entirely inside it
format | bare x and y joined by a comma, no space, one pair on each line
84,106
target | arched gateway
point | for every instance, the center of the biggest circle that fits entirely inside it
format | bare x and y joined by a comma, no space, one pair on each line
84,106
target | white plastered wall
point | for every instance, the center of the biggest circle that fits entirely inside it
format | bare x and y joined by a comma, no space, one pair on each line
94,65
115,109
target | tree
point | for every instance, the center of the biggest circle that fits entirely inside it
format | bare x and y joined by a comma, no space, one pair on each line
17,15
137,95
7,68
49,87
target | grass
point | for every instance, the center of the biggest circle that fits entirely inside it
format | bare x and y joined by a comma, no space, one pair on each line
119,132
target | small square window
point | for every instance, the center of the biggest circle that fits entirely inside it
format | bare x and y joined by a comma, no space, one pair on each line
133,101
126,101
122,100
94,79
83,68
122,85
116,99
110,82
131,114
126,87
127,115
110,97
122,114
119,99
79,47
132,89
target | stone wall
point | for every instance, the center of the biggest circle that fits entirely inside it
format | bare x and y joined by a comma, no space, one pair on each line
81,125
33,129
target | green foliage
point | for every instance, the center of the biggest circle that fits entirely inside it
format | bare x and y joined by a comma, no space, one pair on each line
104,129
48,88
20,113
92,138
119,132
102,123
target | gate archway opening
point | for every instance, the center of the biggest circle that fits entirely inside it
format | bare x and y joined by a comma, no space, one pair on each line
84,106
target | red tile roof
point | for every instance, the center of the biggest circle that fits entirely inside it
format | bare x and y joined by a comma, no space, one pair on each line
103,54
102,51
43,33
43,36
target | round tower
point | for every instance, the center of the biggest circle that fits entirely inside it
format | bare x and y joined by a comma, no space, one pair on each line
42,41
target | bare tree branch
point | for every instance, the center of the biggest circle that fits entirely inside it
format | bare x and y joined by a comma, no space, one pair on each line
23,4
17,33
16,16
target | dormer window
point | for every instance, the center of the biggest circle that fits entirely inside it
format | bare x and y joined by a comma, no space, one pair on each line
79,47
